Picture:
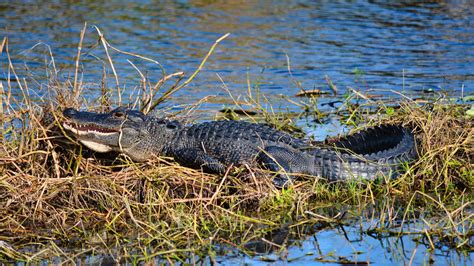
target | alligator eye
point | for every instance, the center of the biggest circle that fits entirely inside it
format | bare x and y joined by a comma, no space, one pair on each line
172,125
118,114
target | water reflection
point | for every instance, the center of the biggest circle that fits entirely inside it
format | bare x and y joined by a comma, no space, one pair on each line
347,241
357,241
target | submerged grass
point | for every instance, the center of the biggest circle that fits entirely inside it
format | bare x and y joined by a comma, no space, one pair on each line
58,200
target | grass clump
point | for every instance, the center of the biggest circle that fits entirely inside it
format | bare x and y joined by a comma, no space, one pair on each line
58,200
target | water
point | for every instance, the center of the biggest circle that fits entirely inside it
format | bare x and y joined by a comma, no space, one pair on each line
395,45
404,46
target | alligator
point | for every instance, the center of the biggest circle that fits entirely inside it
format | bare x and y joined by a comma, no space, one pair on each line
215,146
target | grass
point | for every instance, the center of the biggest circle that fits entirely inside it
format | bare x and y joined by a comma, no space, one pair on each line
58,200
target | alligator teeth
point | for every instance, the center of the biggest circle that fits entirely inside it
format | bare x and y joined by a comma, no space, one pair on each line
84,130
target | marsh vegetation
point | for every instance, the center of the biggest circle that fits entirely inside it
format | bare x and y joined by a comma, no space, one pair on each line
61,202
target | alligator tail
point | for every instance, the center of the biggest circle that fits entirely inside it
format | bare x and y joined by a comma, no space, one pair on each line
367,154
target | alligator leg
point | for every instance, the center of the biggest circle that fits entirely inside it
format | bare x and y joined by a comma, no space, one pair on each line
277,158
195,158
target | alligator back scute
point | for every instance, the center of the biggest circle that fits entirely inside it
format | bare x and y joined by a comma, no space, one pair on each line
238,130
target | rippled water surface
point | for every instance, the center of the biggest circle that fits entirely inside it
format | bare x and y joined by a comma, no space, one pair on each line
388,46
385,45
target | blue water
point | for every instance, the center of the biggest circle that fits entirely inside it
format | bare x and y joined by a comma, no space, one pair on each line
396,46
366,45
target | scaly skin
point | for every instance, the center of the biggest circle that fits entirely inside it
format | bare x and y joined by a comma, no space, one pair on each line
214,146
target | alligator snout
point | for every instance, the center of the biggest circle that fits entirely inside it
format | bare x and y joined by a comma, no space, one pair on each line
70,112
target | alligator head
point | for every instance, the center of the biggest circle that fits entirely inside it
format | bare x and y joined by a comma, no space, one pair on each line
121,130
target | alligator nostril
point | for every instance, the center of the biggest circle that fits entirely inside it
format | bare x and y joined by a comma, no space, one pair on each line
69,112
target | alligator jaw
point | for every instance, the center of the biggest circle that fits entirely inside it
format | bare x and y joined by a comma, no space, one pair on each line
84,132
81,130
96,146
